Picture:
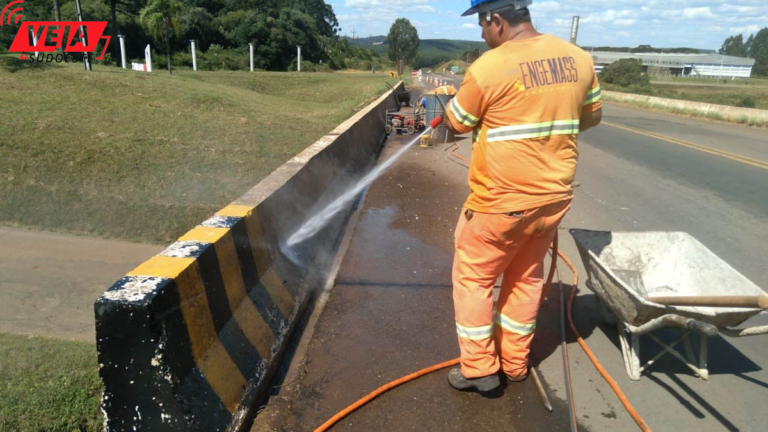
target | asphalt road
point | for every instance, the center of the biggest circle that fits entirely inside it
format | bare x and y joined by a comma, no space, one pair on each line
390,311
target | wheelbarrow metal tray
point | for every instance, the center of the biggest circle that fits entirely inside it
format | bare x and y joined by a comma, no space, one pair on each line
625,267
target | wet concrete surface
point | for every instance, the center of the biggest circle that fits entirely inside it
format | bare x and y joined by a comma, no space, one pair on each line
391,313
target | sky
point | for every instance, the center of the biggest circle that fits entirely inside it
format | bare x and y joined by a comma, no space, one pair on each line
660,23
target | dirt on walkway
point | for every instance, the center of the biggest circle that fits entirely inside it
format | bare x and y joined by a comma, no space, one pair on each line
48,281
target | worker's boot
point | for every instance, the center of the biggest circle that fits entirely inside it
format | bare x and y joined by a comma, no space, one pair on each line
484,384
517,378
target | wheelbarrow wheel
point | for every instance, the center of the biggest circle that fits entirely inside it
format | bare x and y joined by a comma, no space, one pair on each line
388,129
608,316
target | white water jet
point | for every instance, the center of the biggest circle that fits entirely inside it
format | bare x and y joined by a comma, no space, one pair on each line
317,222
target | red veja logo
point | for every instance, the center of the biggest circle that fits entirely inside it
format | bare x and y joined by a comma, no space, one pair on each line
90,31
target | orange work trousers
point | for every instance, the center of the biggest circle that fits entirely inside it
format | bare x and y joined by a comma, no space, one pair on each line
487,246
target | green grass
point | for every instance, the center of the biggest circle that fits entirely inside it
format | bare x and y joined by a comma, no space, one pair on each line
753,82
48,385
145,157
746,96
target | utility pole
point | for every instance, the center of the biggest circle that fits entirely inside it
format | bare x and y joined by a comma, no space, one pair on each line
86,56
575,29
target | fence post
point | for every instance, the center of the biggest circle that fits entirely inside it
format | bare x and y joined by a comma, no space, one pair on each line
250,48
148,57
122,50
34,39
298,64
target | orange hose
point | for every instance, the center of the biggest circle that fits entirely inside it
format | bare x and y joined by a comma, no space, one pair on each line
623,399
333,420
552,268
453,150
569,311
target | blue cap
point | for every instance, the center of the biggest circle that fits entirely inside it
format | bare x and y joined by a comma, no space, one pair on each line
480,6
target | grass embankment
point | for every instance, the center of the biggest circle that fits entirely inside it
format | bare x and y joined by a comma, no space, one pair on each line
145,157
754,82
446,66
748,96
731,95
48,385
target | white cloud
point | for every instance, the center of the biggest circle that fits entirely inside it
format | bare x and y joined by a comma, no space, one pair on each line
661,23
700,12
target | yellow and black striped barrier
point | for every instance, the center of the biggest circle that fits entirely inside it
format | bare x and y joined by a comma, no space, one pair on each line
189,339
212,308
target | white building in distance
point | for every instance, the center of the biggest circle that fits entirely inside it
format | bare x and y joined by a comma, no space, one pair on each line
693,65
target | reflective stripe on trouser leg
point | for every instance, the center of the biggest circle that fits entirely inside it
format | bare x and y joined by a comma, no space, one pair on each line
520,294
477,265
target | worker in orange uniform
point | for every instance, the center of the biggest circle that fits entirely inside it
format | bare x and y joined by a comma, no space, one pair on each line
526,100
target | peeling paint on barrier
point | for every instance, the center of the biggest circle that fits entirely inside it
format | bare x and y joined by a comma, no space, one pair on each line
184,249
134,290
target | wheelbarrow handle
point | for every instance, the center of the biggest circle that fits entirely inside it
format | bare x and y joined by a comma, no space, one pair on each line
755,302
672,320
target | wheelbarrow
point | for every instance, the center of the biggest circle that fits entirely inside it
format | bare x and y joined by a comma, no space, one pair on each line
644,281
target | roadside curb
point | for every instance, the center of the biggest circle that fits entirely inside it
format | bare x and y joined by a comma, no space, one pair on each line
720,112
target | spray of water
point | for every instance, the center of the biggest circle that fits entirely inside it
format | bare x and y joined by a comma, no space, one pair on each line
317,222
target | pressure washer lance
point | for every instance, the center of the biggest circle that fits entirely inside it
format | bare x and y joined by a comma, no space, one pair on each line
540,389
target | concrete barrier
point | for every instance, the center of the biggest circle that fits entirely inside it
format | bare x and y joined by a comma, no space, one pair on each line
727,112
189,340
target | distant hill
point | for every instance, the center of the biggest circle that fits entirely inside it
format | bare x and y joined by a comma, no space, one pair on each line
431,51
434,52
367,41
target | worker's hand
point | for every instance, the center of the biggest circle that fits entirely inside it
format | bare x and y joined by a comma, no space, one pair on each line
436,122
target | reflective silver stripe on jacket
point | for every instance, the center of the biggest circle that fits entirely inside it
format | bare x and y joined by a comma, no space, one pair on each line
462,116
593,96
534,130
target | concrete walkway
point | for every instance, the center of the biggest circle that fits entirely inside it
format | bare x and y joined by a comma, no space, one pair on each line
48,281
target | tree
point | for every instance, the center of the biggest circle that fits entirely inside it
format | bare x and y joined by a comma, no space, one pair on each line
734,46
56,12
471,55
276,34
403,41
759,51
748,45
199,25
159,17
625,73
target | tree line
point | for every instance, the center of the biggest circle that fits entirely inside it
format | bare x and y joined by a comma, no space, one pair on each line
222,30
756,47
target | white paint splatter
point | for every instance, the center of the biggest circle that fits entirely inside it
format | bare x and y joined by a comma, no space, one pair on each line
218,222
134,290
184,249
